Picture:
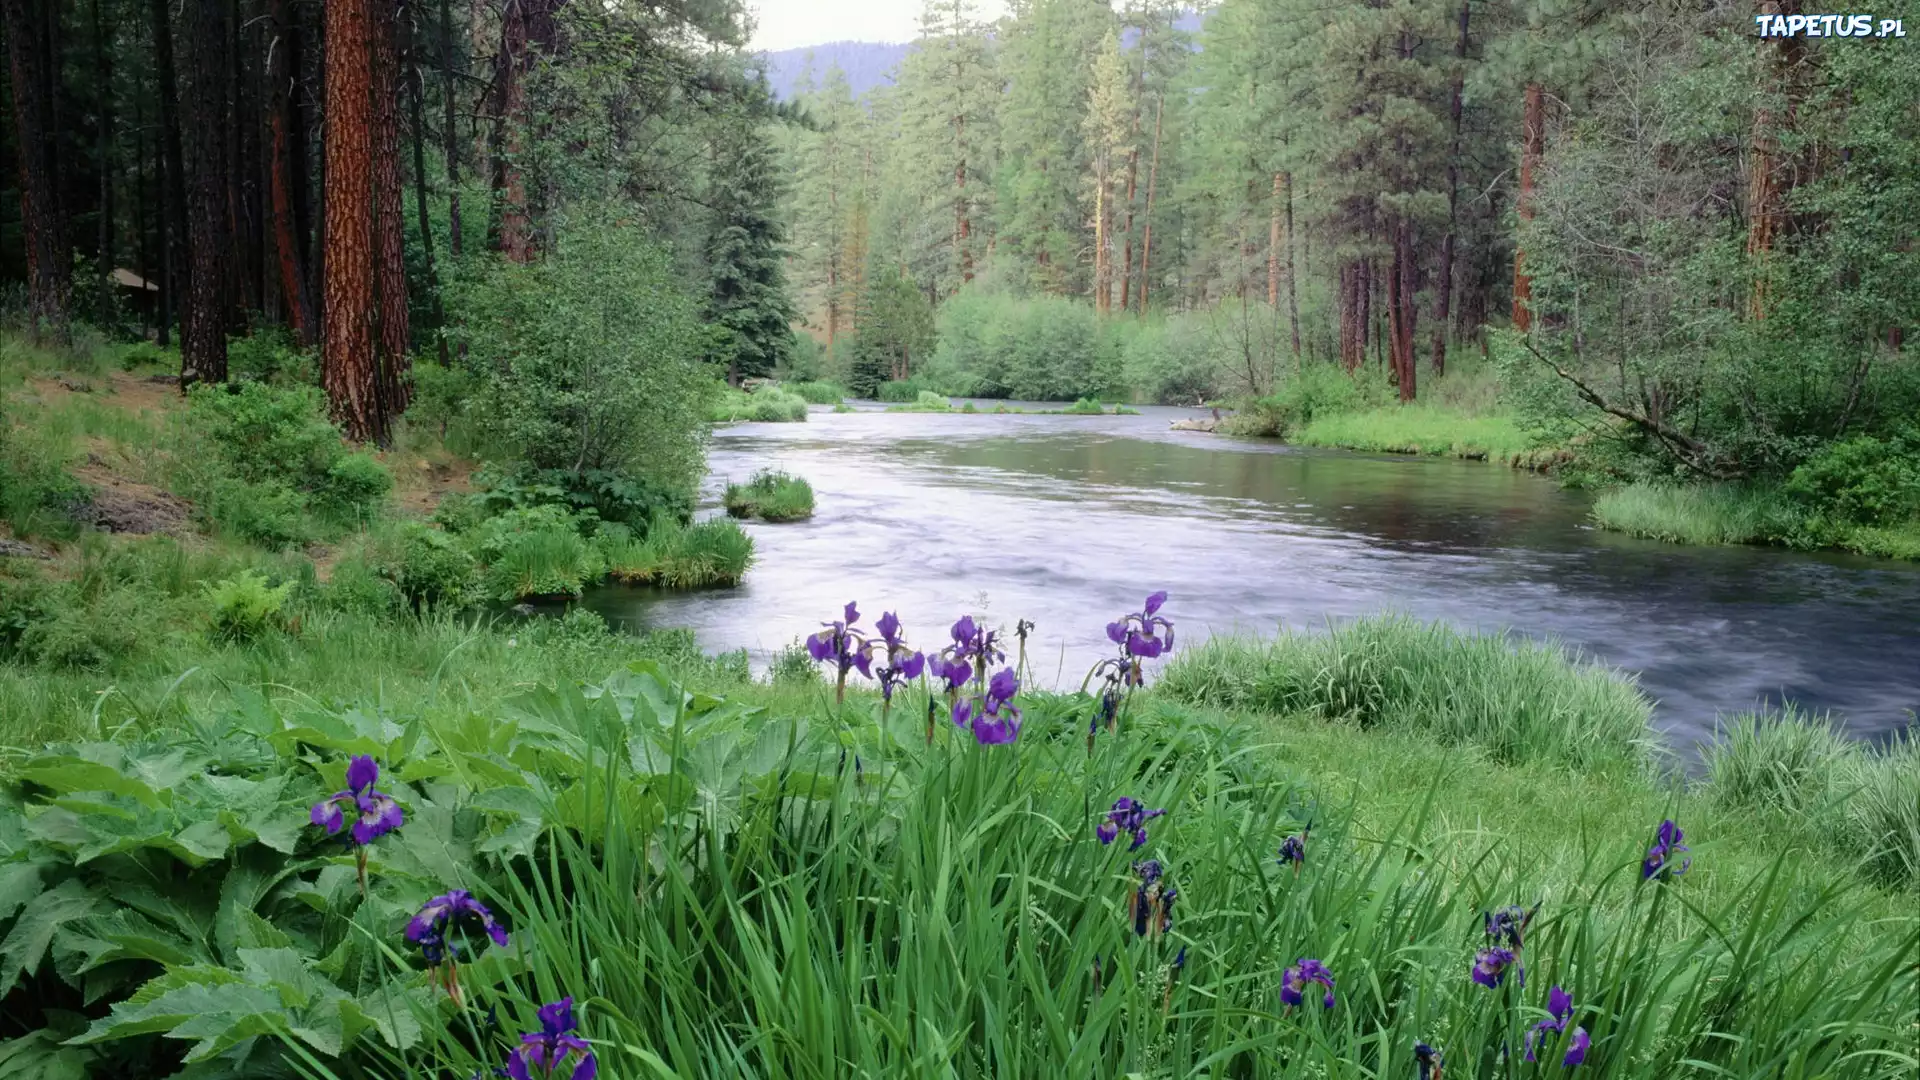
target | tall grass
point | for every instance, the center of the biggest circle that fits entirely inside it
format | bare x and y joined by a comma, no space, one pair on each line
945,910
817,393
1421,429
1698,513
769,404
715,552
771,496
1519,700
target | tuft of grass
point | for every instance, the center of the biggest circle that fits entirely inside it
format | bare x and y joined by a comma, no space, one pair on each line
771,496
552,561
928,401
1785,761
1520,701
1699,513
1880,814
1421,429
817,393
714,552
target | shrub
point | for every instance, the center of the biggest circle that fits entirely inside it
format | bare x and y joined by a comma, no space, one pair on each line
264,513
1085,406
271,356
905,391
771,496
793,665
1520,701
37,494
589,358
432,570
354,485
1039,349
769,404
267,433
593,493
1866,480
244,606
357,587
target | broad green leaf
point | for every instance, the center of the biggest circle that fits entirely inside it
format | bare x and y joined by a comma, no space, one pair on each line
201,843
285,971
19,883
64,773
38,1055
26,944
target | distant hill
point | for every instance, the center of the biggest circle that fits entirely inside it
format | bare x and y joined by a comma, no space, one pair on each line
867,63
871,63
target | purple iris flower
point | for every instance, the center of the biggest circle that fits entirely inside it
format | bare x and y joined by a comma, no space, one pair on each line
1152,907
1128,815
1666,850
454,910
993,718
975,643
1508,925
1293,984
1428,1060
375,812
1141,632
1559,1010
903,664
839,643
1294,850
954,672
545,1053
1490,967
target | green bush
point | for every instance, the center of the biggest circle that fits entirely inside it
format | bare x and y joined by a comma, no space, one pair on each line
355,484
589,358
1864,480
543,562
1085,406
905,391
1517,700
268,433
243,607
268,514
793,665
37,494
769,404
770,496
592,493
271,356
432,568
1705,514
1038,349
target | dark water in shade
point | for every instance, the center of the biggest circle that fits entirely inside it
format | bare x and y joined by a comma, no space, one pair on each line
1070,521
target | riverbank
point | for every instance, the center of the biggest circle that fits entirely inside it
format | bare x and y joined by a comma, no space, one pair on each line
1408,839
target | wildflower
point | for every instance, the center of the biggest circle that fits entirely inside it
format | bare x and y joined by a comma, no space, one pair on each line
993,718
974,645
1490,967
842,646
954,672
1173,976
1293,985
542,1054
1559,1011
375,812
903,665
1428,1060
1508,925
1294,850
1152,907
1128,815
1022,630
1137,636
453,911
1667,847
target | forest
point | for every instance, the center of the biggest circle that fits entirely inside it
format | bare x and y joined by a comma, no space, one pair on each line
497,576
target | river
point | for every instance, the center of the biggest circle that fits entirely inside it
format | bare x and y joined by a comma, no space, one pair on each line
1070,521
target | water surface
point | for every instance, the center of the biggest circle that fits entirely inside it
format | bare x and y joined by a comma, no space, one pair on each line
1070,521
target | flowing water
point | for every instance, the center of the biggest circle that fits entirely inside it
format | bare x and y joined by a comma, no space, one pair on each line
1070,521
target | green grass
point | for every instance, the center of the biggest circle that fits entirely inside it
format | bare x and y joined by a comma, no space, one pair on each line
817,393
1421,429
769,404
707,553
1739,514
1520,701
771,496
928,401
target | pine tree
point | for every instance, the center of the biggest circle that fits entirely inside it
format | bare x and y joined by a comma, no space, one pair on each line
1107,129
747,297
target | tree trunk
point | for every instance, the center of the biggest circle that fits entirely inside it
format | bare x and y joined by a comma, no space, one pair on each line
1532,124
143,252
1153,176
173,181
349,367
962,221
104,258
1765,192
417,83
1293,292
389,213
524,25
203,322
1405,310
1443,286
49,259
449,138
1102,259
283,68
1274,213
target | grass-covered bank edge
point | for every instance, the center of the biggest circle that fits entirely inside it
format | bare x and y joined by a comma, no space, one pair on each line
1735,514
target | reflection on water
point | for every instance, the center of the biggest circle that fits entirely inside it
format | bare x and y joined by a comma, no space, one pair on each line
1069,521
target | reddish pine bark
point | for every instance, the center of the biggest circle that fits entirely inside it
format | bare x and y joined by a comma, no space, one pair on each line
1532,123
283,68
49,260
1153,176
1443,288
389,214
203,318
348,362
525,25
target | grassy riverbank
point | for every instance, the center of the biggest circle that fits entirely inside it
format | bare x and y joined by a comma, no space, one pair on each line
985,851
1728,514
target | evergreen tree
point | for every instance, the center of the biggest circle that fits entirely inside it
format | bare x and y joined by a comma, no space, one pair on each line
747,296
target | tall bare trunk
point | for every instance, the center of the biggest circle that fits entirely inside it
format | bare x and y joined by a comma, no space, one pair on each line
283,70
450,140
1765,190
417,87
1274,213
49,260
1403,311
389,213
1532,123
104,256
1293,292
1443,286
203,323
173,181
349,365
1153,176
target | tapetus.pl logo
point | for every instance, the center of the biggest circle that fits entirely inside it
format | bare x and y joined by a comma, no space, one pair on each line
1854,26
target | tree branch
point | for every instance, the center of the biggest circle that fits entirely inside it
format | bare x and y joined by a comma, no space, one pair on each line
1691,452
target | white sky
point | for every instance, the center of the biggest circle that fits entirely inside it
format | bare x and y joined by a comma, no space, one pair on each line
794,24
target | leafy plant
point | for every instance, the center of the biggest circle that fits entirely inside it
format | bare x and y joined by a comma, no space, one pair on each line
243,607
770,496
